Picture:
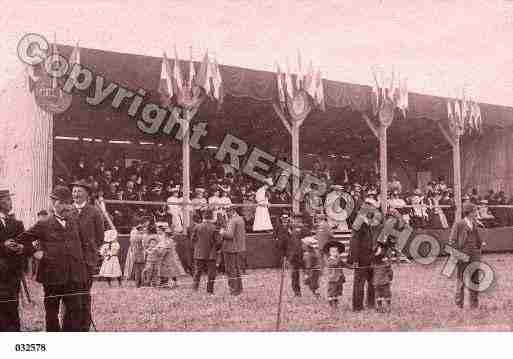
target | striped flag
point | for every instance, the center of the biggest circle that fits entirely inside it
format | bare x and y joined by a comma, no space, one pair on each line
217,82
299,76
288,82
310,82
319,91
450,114
279,82
74,59
192,71
204,75
177,75
165,84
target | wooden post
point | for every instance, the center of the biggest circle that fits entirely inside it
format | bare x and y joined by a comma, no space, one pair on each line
295,163
186,170
453,137
383,161
293,128
457,177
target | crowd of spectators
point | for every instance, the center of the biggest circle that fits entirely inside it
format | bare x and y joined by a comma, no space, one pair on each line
217,182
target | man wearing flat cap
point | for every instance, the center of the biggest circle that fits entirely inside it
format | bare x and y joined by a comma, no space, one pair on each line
13,253
62,266
234,243
91,230
466,239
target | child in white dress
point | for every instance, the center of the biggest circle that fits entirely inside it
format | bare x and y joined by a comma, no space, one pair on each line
110,268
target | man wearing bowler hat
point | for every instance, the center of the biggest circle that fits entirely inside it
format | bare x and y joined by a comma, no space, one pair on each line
234,242
91,230
12,261
62,266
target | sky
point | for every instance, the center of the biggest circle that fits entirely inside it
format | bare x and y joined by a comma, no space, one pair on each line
441,47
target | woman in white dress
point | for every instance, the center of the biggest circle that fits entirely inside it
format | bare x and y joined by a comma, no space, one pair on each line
337,216
262,215
175,210
109,251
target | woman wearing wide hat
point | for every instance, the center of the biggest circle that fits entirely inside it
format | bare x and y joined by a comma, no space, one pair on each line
262,215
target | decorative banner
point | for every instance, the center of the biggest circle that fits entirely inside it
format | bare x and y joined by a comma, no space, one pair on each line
299,106
386,113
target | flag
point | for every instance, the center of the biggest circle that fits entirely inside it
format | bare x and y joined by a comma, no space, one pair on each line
319,91
299,76
476,110
177,75
450,114
457,114
165,84
192,72
31,77
402,102
377,94
288,82
279,82
309,84
74,58
204,75
217,82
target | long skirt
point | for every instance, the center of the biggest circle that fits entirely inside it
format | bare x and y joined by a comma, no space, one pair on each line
110,268
262,220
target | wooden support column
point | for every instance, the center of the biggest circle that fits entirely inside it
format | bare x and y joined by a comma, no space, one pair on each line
383,161
293,127
453,137
295,163
186,170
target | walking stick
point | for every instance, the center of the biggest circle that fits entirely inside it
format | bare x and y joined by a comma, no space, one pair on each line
25,288
282,277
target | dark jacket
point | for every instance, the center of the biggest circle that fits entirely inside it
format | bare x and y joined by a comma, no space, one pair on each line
63,258
361,246
11,265
92,232
290,242
234,239
205,238
466,240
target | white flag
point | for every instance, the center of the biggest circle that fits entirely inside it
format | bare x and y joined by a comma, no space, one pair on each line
279,81
177,74
288,82
165,84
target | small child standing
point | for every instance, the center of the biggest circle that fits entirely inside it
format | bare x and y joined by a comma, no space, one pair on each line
335,272
312,261
110,268
382,278
151,272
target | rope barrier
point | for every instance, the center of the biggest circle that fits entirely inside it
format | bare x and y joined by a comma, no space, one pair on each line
156,203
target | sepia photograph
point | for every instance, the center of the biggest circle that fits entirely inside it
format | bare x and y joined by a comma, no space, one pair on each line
255,167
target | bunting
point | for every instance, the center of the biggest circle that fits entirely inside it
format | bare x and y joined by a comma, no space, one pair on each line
309,82
464,115
205,75
393,90
217,82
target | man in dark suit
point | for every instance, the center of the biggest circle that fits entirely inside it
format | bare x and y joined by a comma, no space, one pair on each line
13,253
205,240
361,252
62,268
234,242
91,230
466,239
289,237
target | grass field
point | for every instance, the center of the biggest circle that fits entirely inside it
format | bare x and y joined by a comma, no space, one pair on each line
422,300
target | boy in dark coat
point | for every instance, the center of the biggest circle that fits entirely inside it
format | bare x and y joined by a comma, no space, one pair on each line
382,278
205,238
335,272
